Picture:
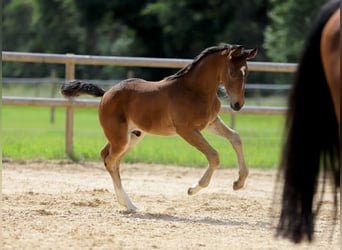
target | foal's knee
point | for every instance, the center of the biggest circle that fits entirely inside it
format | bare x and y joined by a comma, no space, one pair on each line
236,139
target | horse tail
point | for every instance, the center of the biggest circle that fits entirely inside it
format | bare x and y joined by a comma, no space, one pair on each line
311,138
76,88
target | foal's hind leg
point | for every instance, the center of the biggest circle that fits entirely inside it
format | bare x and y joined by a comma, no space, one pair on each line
111,160
112,155
218,127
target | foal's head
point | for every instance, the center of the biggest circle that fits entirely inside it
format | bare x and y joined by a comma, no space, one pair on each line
234,74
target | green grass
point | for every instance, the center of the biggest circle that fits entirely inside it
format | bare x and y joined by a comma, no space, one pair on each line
28,134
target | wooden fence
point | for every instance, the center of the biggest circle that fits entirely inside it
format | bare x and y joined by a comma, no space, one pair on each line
71,60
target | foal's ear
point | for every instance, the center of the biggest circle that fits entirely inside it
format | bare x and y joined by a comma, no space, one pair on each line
236,52
225,52
250,53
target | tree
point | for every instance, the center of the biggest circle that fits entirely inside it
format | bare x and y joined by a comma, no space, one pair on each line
189,26
57,29
182,28
152,28
19,17
91,15
290,20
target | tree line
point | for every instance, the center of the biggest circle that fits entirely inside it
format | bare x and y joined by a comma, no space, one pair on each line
151,28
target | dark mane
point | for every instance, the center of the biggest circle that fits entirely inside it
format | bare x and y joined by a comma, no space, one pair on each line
204,53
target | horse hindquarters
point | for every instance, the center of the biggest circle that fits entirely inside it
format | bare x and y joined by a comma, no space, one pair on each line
330,54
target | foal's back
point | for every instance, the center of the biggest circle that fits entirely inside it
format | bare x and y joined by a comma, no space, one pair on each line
142,104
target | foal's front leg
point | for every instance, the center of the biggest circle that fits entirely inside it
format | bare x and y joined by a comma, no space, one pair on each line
196,139
218,127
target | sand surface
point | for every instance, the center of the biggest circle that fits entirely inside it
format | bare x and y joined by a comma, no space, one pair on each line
67,205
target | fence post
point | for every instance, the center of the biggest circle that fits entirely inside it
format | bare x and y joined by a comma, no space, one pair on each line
54,85
232,121
69,120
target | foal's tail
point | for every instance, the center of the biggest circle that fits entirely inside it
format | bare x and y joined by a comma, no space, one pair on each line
76,88
311,139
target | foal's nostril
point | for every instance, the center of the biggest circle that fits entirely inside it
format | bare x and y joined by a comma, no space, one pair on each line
237,106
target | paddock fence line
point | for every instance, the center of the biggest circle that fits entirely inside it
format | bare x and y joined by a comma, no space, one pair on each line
71,60
82,103
130,61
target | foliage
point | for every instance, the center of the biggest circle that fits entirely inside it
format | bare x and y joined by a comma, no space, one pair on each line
172,28
151,28
290,20
189,26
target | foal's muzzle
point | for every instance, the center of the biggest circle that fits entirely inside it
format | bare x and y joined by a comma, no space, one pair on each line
236,106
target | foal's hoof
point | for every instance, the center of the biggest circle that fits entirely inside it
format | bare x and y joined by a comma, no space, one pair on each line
194,189
132,208
241,181
237,185
128,211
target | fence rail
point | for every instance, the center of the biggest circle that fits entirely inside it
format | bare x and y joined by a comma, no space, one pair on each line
47,81
130,61
71,60
84,103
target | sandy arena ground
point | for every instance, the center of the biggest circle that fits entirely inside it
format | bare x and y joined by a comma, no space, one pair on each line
66,205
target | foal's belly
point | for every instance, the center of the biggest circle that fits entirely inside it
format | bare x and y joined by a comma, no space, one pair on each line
153,126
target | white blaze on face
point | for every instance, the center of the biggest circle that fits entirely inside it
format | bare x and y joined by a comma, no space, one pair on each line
243,71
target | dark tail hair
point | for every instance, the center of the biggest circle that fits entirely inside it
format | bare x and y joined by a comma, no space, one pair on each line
311,138
76,88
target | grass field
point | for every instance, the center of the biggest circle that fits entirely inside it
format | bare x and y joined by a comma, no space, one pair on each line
28,134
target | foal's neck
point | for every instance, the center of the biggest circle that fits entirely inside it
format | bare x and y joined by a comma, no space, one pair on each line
206,75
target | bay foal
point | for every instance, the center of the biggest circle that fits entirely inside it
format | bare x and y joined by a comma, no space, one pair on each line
185,104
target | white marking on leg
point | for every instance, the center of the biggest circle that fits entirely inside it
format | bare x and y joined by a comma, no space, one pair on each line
194,189
123,199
